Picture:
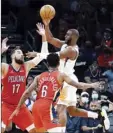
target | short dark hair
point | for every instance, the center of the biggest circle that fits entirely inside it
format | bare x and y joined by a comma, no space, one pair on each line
75,32
53,60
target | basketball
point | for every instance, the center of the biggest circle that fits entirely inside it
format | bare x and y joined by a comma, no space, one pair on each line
47,12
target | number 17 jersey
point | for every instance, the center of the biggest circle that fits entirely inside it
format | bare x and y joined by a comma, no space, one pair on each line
14,84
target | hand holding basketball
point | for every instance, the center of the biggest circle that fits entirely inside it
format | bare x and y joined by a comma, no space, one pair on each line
47,12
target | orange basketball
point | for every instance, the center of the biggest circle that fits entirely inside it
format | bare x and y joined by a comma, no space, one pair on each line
47,12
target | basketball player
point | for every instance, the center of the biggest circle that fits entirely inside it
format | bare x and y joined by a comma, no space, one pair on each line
68,55
14,84
47,85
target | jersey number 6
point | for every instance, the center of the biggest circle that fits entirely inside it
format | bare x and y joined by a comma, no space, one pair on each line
44,91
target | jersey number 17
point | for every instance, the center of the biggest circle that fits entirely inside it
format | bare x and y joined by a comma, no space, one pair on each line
16,88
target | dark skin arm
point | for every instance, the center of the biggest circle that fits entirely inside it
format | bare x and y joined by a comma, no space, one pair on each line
79,85
50,38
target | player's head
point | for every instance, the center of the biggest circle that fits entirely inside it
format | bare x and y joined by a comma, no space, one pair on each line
18,56
72,34
53,60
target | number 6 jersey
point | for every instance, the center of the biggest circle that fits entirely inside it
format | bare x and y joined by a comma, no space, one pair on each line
14,84
48,85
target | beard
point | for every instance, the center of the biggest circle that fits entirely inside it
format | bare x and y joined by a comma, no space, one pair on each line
19,61
68,41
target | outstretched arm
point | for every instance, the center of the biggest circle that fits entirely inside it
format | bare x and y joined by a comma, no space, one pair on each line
80,85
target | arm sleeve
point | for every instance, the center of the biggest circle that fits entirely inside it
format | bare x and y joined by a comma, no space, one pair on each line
44,48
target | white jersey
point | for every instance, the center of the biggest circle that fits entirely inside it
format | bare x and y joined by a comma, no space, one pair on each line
67,65
68,93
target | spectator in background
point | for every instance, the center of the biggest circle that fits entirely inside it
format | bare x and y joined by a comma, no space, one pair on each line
94,95
84,100
86,57
107,42
94,73
30,79
109,75
78,99
105,50
103,96
29,102
90,125
73,124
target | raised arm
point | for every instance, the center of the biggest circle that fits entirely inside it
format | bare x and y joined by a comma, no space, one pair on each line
4,69
25,96
4,47
50,38
38,56
80,85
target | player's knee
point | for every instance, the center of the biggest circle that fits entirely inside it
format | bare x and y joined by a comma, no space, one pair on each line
63,119
62,114
33,130
41,130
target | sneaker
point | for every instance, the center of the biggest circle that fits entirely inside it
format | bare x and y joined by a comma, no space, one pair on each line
106,121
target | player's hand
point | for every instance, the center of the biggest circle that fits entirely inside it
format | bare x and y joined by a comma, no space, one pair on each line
4,44
46,22
41,29
15,113
97,85
31,54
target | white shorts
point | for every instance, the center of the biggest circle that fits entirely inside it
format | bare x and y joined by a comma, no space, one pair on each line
68,93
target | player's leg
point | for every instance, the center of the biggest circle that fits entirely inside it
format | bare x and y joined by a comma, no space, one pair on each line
50,126
37,119
73,111
6,112
62,105
56,129
9,127
62,114
3,126
41,130
24,120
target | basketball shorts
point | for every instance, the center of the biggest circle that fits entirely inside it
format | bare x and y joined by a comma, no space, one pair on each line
23,120
68,93
42,114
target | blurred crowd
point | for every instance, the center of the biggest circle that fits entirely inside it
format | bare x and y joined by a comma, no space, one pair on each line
94,21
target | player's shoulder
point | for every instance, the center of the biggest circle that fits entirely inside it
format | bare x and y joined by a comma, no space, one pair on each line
44,74
4,65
